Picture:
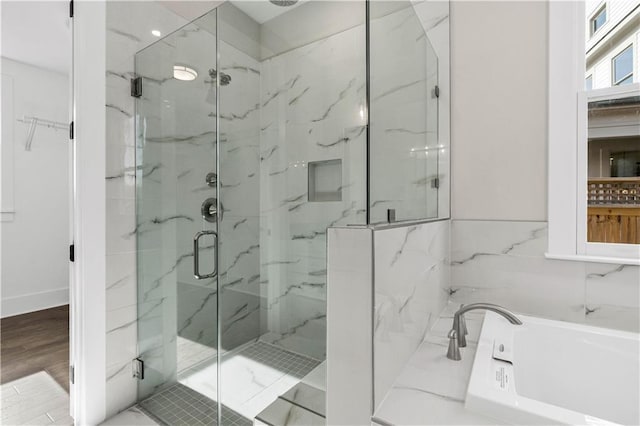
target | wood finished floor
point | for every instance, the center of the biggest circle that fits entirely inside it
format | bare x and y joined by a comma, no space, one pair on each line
34,342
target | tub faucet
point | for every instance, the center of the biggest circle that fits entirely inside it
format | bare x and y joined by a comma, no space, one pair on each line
457,335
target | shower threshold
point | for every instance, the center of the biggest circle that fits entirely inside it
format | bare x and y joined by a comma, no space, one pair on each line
254,375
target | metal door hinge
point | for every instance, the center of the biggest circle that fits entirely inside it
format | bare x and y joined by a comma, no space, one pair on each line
71,9
436,92
137,367
136,87
435,183
72,253
71,130
391,215
72,374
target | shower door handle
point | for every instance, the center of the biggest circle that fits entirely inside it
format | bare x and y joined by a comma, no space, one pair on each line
196,255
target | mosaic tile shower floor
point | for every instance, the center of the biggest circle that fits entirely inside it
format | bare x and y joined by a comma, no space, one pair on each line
253,376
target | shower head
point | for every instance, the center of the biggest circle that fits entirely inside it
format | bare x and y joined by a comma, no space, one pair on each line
284,3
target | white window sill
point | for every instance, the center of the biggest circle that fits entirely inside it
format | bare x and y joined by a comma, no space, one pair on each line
594,259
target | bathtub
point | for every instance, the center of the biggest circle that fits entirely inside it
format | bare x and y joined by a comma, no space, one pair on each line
552,372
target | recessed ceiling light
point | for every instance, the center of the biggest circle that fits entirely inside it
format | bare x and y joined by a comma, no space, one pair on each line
181,72
156,33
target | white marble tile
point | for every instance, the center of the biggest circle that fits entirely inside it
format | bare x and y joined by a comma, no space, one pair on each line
411,280
122,387
431,389
121,219
308,397
121,280
613,296
416,407
531,285
286,414
130,417
349,301
503,262
479,238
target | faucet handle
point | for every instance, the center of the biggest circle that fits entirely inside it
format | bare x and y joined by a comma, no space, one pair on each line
453,352
463,323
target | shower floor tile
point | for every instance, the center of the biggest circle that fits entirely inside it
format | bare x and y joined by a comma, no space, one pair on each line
253,376
180,405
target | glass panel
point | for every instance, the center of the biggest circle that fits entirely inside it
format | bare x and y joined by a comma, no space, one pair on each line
613,210
176,155
405,144
296,98
623,67
599,20
589,83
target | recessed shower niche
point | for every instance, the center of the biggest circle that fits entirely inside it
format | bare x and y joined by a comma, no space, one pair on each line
286,91
325,180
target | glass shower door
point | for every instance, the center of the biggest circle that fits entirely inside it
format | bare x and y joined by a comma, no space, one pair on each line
176,214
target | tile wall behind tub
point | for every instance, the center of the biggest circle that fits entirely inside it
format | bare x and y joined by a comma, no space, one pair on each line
310,111
124,37
503,262
411,280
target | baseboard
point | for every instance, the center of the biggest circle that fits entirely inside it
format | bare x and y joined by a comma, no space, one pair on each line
33,302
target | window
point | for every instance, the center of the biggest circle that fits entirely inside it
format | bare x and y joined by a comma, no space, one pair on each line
588,83
592,140
598,20
623,67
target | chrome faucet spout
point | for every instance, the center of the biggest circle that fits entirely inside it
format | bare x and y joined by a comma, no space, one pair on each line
458,332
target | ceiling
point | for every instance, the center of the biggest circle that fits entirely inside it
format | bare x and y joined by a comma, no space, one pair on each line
37,33
263,10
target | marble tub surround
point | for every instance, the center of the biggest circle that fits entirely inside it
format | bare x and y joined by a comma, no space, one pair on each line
399,278
411,275
503,262
431,389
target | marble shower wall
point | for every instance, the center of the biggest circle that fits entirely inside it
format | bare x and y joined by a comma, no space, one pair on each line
125,36
503,262
310,110
178,135
240,188
411,280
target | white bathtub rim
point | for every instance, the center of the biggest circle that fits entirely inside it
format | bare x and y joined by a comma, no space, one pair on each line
518,409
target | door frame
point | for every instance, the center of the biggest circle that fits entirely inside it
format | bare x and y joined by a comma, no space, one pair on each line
88,280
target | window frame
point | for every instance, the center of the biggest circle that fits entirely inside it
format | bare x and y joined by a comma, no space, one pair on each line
613,66
567,147
592,20
589,77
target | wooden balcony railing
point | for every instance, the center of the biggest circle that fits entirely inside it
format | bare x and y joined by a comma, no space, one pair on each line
614,210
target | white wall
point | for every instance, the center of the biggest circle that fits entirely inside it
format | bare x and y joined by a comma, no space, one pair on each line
498,111
35,239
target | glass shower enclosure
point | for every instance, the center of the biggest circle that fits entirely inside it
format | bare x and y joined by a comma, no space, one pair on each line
254,135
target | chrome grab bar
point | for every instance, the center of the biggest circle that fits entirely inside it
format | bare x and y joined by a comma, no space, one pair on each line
196,255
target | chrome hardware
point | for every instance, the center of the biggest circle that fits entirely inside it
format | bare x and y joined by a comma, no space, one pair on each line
463,323
211,179
196,255
391,215
209,210
454,350
457,335
137,369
